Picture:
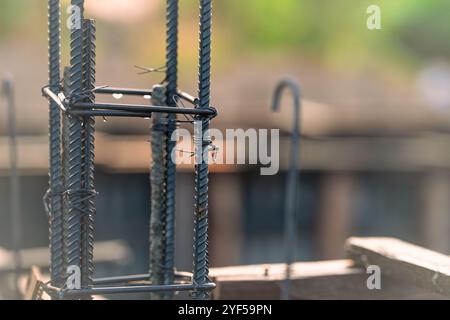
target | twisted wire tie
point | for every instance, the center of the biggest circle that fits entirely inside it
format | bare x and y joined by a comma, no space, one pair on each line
85,194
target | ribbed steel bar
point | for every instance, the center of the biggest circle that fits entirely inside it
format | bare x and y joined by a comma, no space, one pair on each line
110,113
65,160
208,112
171,170
136,289
137,108
125,91
158,213
179,276
87,226
55,179
73,194
201,168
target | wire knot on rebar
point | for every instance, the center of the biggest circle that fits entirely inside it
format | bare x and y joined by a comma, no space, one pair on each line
76,197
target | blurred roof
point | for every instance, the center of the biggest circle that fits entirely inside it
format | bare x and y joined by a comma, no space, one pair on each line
335,103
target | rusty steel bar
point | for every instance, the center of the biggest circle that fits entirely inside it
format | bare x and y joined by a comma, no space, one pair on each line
158,195
55,202
172,22
292,180
88,166
73,146
208,111
135,289
201,168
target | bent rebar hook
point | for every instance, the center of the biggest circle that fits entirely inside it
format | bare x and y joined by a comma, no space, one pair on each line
292,180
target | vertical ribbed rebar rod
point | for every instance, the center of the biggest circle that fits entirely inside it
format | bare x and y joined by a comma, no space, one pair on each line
158,193
201,169
171,91
65,156
87,238
15,212
73,152
56,220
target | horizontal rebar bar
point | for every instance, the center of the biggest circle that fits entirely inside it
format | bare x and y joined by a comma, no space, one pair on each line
179,276
144,108
124,91
134,289
110,113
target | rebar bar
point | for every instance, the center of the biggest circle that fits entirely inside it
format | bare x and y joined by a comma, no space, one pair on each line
158,194
87,226
171,170
182,277
125,91
55,174
139,109
133,289
65,157
76,181
292,180
85,106
110,113
201,169
73,150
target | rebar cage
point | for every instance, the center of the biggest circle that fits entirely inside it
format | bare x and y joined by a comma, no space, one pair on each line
70,200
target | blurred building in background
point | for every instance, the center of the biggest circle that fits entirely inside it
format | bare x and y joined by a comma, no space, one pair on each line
375,153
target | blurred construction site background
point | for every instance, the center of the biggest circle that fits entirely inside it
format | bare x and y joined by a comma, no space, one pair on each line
375,154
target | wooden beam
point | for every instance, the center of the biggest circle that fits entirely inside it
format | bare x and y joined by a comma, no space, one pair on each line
338,279
106,251
403,261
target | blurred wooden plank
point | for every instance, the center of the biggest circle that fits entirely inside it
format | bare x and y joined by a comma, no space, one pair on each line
324,280
264,281
403,261
107,251
354,287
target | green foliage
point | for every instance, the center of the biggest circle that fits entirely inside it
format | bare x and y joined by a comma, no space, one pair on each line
333,31
7,18
18,14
